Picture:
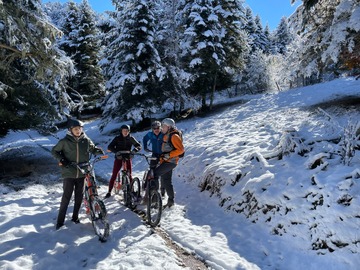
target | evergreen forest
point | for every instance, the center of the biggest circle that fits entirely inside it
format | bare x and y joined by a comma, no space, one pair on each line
168,57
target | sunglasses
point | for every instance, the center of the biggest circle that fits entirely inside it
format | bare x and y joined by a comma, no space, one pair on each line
156,128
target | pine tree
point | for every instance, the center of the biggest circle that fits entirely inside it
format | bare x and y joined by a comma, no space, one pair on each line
135,63
250,28
282,36
81,42
203,51
89,76
32,69
255,78
260,39
235,41
169,34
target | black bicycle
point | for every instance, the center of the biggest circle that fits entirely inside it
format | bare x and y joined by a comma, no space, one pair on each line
95,207
131,189
152,196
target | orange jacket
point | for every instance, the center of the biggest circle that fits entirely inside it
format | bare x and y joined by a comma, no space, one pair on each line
175,150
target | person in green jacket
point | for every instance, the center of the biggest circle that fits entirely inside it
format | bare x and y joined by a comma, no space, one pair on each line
75,147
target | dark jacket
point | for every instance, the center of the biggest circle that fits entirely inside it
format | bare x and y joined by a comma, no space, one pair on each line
74,150
121,143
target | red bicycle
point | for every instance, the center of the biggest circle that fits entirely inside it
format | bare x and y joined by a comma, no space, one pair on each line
95,207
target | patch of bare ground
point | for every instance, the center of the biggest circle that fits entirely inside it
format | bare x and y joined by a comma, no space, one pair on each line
188,259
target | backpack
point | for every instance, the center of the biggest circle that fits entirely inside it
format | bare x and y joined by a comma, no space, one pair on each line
178,132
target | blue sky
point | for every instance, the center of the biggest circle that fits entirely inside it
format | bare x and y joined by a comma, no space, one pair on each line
270,11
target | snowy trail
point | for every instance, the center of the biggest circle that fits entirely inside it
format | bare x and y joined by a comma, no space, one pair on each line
28,219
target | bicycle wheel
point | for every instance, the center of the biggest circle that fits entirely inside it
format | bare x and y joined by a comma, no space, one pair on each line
134,193
99,219
117,185
126,190
154,208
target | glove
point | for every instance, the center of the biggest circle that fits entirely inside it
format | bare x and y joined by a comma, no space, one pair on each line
135,150
166,156
64,162
99,151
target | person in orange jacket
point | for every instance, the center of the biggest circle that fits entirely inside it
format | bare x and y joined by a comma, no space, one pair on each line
172,147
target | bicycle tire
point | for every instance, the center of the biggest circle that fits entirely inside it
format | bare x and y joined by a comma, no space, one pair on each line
135,190
117,185
126,190
99,219
154,208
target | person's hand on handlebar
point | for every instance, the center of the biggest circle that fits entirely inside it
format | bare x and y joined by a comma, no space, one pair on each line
64,162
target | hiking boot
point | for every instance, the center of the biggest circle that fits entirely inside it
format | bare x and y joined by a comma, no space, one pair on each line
59,225
108,195
162,191
76,221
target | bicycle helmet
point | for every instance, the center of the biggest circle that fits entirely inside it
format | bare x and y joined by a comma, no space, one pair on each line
125,127
168,122
156,124
71,123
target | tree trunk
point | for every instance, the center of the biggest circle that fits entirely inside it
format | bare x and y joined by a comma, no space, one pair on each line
212,94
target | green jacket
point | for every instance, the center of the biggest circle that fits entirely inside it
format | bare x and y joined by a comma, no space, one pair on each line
74,150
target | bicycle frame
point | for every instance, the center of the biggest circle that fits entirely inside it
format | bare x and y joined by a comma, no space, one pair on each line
121,174
87,168
130,195
152,195
94,206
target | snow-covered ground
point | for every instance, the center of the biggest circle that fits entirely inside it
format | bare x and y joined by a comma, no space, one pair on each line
299,210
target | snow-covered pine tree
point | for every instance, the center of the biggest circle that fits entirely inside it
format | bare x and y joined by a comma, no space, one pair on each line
236,41
32,68
282,36
81,42
255,78
169,33
89,77
203,49
135,63
250,27
261,40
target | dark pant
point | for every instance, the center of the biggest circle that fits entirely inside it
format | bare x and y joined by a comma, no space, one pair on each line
165,170
71,185
117,166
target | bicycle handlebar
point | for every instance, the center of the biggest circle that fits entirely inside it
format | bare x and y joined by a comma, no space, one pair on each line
148,158
123,152
91,163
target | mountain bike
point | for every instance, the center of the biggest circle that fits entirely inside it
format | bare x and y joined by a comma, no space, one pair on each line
95,207
131,189
152,196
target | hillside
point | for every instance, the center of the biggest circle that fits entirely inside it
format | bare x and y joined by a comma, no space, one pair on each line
262,185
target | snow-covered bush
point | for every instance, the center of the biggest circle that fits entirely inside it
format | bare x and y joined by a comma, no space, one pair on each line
289,142
349,141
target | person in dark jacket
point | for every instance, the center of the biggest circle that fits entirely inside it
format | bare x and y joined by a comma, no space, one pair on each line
74,147
122,142
155,138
